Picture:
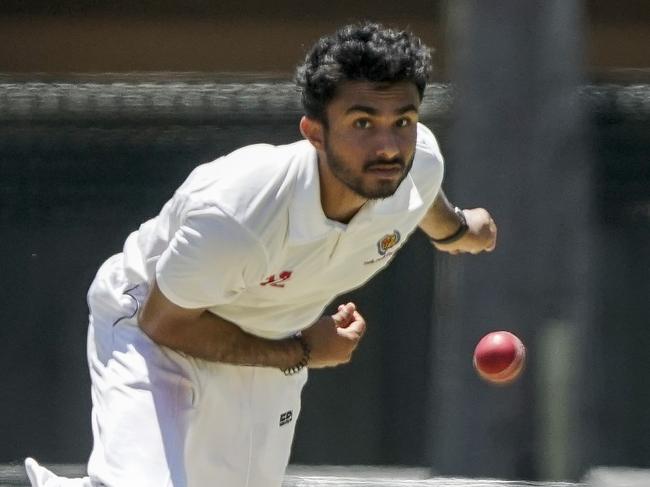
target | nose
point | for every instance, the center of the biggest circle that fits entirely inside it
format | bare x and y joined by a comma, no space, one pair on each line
387,145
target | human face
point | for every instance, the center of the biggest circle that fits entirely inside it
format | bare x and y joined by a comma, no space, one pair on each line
369,141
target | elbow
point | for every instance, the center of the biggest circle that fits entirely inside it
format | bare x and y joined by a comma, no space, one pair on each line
148,328
151,327
164,322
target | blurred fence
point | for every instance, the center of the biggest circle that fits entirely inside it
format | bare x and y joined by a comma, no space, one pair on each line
185,98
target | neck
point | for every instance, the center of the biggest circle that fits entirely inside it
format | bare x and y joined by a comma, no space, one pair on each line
339,202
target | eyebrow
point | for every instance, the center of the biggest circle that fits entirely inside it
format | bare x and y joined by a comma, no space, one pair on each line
373,111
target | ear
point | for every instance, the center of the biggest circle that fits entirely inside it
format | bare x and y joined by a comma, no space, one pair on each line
313,130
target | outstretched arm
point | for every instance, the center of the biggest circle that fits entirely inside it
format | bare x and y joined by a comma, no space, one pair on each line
444,226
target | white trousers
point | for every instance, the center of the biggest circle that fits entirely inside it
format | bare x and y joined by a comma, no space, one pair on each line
163,419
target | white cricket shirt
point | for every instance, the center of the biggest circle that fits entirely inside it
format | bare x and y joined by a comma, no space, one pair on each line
246,237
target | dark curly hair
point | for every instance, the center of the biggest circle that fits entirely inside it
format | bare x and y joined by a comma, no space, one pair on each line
365,51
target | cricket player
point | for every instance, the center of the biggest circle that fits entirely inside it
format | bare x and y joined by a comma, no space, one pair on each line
203,328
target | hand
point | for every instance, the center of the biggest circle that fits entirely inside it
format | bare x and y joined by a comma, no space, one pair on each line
481,235
332,339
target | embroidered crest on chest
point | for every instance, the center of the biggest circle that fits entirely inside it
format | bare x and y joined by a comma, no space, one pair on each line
384,246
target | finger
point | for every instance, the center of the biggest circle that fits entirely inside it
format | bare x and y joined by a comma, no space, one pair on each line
493,244
360,323
490,244
357,326
345,309
348,333
344,315
347,306
493,229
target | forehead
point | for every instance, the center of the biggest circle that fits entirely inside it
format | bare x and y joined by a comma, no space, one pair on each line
374,94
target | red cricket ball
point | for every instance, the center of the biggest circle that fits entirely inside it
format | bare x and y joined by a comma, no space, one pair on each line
499,357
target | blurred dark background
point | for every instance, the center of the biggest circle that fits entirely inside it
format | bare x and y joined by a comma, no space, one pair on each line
542,110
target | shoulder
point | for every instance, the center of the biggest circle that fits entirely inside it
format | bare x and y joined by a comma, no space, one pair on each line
428,163
208,226
427,145
427,171
245,174
252,185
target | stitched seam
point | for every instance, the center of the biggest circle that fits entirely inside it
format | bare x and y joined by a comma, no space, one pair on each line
135,300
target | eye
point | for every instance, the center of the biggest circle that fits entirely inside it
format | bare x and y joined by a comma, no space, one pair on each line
403,122
362,123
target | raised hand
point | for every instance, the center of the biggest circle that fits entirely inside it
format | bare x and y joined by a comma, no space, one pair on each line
332,339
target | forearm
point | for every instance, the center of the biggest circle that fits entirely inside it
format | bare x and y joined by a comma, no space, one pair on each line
441,220
213,338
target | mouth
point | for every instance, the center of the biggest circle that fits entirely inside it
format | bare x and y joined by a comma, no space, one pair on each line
385,170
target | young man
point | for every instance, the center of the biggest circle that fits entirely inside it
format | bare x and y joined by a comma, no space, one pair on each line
202,329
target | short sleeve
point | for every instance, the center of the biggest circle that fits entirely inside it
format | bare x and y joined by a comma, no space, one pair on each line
205,262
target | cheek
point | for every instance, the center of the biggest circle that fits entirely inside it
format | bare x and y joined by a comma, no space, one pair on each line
408,142
349,138
352,147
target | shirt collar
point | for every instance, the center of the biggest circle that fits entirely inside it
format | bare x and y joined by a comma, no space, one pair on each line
307,221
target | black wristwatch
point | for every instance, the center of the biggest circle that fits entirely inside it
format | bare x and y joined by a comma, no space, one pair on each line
458,234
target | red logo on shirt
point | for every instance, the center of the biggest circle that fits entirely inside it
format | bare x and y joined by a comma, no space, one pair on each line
277,281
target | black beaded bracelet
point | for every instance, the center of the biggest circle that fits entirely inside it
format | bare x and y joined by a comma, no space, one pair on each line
306,352
458,234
